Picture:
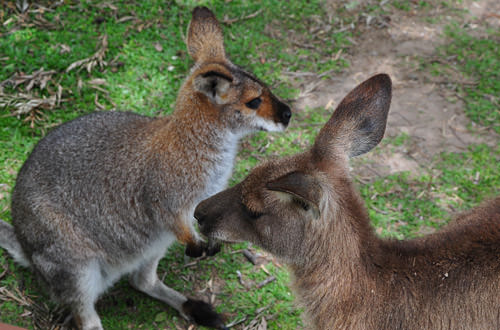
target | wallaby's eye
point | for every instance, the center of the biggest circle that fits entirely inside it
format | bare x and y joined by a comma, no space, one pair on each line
254,104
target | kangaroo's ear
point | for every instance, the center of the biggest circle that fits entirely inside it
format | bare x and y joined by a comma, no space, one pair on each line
205,41
358,123
301,188
214,82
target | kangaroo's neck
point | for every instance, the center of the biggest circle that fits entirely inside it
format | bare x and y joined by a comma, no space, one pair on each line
333,272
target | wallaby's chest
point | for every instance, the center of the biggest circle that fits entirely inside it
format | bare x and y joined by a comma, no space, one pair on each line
218,174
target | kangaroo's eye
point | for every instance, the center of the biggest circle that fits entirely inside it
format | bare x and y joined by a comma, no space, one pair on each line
303,204
252,214
254,104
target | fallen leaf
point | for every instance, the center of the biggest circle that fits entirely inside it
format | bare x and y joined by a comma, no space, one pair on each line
97,81
125,19
161,317
64,49
158,47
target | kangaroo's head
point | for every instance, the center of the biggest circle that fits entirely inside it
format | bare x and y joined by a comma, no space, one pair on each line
223,91
286,205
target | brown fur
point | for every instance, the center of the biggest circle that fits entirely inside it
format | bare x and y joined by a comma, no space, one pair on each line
306,210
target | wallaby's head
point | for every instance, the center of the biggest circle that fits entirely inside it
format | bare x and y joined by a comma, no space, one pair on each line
283,203
223,91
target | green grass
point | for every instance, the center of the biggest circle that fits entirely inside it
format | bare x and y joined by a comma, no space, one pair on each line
147,62
475,58
404,205
478,58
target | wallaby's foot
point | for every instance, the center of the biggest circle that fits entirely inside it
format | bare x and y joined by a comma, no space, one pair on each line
202,248
203,314
86,322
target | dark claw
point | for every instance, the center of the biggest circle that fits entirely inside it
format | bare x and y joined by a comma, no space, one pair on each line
195,250
213,248
203,314
198,250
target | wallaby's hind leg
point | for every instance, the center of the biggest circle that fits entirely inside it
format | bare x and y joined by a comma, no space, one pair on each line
86,317
145,279
75,283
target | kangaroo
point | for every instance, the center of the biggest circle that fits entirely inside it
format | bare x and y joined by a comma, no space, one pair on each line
305,210
106,194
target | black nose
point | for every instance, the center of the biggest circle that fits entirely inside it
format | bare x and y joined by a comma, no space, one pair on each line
286,114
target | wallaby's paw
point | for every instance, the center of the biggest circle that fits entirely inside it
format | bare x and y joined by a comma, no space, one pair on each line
203,314
213,248
194,250
198,250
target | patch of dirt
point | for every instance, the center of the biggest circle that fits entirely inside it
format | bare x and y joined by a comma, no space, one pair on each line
431,115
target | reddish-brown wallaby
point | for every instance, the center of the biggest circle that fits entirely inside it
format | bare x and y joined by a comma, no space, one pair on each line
306,210
106,194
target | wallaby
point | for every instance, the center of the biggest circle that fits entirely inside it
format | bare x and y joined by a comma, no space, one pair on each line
106,194
306,210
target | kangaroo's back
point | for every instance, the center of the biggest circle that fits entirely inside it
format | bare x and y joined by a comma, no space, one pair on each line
452,276
470,243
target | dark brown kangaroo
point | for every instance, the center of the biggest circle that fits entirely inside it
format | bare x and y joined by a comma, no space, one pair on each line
306,210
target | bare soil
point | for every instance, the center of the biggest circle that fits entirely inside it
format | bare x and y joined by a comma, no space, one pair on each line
423,107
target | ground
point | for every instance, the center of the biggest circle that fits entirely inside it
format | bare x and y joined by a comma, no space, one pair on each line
440,153
422,108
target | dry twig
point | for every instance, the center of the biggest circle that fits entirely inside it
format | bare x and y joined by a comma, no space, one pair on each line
266,282
230,21
250,256
39,77
24,104
95,60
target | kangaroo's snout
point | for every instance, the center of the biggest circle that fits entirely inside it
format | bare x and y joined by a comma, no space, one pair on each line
199,213
207,213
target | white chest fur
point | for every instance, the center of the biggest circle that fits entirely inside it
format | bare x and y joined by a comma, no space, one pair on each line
222,166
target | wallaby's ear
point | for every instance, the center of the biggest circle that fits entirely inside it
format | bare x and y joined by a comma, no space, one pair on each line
358,123
301,187
204,38
214,82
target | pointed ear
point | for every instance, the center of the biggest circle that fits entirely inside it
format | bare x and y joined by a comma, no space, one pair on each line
300,186
214,84
358,123
204,38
